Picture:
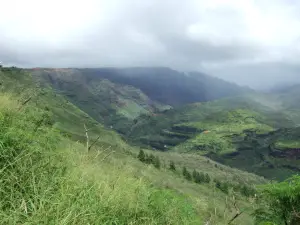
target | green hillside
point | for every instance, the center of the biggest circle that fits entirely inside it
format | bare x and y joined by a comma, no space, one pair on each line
168,127
68,118
49,177
238,131
111,104
221,131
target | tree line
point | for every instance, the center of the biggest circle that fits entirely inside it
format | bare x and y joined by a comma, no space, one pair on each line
198,177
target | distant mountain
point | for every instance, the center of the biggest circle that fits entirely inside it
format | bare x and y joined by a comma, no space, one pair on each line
283,88
169,86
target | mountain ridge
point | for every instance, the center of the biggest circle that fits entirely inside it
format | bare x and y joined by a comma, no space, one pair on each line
171,87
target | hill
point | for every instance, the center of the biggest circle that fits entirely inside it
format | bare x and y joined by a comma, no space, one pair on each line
168,86
116,97
163,85
58,179
111,104
237,131
68,118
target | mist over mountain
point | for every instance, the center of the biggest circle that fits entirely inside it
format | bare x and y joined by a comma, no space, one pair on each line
232,40
169,86
262,77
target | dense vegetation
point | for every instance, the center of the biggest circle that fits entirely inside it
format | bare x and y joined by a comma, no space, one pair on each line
279,203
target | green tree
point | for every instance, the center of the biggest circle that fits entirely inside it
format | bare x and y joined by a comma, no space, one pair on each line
172,166
218,184
247,191
195,174
202,177
222,186
198,178
225,187
142,156
146,158
156,162
186,173
188,176
207,178
151,159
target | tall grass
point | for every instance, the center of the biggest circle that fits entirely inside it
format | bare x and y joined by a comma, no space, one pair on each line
46,179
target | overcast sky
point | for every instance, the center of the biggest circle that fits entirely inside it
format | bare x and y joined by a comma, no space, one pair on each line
253,42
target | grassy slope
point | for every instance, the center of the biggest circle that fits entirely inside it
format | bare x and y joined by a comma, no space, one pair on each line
68,118
54,182
221,131
108,103
158,130
102,186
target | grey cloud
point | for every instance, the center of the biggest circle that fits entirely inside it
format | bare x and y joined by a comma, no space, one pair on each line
155,33
199,51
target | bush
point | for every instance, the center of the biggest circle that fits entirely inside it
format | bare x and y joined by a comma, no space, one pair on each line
223,186
207,178
141,156
280,203
172,166
156,162
187,175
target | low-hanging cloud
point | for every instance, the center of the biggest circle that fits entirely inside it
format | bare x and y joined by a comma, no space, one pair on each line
243,41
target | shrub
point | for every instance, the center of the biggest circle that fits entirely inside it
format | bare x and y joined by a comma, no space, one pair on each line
280,203
186,174
172,166
156,162
207,178
141,156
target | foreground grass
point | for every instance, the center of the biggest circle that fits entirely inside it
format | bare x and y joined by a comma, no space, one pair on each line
46,179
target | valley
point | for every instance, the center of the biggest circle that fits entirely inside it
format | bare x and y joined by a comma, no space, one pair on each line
98,122
162,109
